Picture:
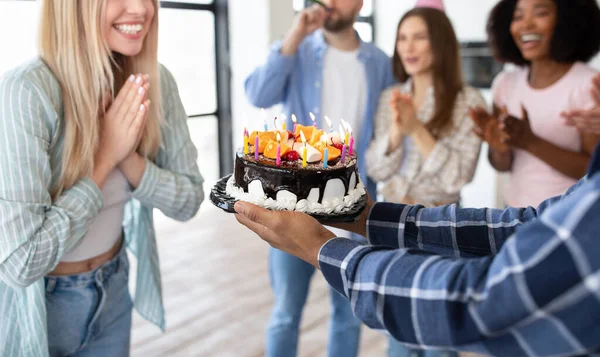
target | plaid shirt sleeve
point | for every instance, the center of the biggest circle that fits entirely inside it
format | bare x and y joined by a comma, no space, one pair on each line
538,296
450,231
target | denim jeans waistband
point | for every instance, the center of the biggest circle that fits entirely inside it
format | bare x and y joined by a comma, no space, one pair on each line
102,273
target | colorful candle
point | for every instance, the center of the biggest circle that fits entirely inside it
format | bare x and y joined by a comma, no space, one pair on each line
345,125
343,147
284,120
314,119
325,153
304,152
246,141
351,142
294,120
278,158
256,147
263,115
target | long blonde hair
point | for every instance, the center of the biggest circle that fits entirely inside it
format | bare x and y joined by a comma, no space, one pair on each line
72,45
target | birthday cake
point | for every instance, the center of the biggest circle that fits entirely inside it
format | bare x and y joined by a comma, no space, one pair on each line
307,170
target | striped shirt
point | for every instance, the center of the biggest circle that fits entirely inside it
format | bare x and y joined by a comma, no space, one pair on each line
514,282
36,231
438,178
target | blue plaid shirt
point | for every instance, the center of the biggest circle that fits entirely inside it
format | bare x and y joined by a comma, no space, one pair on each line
513,282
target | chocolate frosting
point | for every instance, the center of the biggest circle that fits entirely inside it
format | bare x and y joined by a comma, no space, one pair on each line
291,176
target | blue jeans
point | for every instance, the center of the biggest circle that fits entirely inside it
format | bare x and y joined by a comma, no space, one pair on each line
89,314
397,349
290,279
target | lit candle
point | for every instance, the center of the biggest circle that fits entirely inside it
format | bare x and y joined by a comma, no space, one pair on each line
304,152
246,141
278,159
347,137
325,154
351,140
256,147
294,120
284,120
329,124
343,146
263,115
314,119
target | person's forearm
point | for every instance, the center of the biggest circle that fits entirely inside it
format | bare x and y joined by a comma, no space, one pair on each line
446,230
569,163
133,168
290,44
501,161
424,140
445,296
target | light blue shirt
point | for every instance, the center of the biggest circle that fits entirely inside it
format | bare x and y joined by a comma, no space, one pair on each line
36,230
296,82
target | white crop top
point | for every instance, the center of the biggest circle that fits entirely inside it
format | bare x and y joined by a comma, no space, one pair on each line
106,228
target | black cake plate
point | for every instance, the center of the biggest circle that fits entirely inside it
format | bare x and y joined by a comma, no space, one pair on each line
220,198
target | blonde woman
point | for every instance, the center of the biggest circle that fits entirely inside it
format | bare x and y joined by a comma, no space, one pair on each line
87,151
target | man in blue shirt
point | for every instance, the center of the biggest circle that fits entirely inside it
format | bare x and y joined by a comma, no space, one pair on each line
513,282
323,67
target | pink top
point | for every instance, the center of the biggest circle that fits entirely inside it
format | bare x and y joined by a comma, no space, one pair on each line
532,180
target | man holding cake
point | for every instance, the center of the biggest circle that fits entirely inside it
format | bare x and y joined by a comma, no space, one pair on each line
512,282
321,67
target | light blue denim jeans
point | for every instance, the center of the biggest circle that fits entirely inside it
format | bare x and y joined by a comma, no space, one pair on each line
290,280
89,314
397,349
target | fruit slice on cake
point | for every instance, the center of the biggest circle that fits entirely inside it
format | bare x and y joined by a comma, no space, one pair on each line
264,137
271,150
332,152
312,154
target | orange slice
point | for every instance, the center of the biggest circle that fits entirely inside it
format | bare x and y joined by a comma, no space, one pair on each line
332,152
271,150
316,137
307,130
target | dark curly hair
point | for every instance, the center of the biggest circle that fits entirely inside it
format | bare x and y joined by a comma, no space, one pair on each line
576,35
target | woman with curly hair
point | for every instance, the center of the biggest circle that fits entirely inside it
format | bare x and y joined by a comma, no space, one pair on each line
549,41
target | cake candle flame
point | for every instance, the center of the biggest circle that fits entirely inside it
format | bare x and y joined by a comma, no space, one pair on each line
294,120
345,131
329,124
314,119
263,115
284,120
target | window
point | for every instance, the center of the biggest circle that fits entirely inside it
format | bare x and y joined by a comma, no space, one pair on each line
364,24
194,46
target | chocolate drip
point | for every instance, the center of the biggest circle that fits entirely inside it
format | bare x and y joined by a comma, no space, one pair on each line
291,176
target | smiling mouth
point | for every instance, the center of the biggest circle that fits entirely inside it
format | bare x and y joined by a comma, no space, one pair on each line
530,38
129,29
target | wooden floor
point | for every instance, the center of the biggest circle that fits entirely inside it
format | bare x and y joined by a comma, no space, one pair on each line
217,295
